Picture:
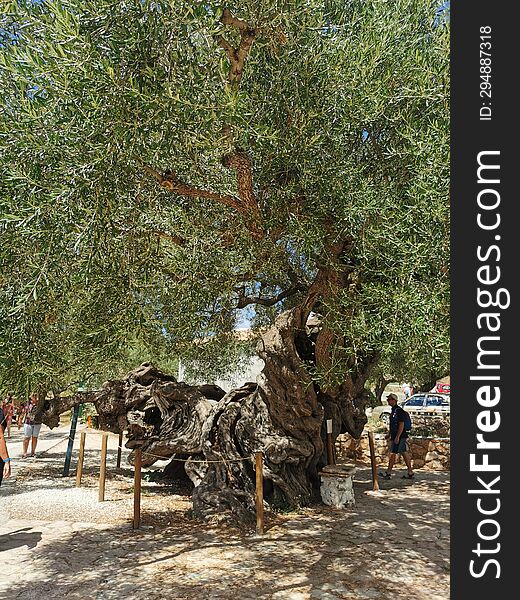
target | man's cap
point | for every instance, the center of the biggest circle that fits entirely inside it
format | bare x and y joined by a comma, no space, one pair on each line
391,397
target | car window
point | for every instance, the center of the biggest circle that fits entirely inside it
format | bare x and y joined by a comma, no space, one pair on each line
415,401
433,401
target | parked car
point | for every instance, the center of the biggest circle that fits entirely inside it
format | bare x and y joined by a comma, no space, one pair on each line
420,405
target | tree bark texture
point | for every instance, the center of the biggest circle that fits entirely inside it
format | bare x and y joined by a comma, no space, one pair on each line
215,435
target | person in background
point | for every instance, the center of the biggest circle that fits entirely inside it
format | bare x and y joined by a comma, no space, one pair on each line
19,413
8,408
32,422
407,390
5,461
397,439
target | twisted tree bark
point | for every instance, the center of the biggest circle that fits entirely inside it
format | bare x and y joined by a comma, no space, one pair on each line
217,434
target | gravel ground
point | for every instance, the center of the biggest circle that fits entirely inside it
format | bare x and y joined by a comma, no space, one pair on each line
62,543
37,488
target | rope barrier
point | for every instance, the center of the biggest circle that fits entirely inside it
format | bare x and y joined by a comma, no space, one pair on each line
224,460
67,437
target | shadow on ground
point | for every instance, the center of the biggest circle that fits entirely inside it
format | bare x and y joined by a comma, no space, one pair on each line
19,538
392,544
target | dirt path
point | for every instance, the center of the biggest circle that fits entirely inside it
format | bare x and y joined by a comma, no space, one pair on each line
394,544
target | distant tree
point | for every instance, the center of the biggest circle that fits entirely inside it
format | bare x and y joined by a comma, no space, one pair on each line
413,360
168,165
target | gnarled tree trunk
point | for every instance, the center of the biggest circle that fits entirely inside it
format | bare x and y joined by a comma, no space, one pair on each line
282,415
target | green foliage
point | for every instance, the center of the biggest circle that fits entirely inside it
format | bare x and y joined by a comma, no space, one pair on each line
88,410
343,110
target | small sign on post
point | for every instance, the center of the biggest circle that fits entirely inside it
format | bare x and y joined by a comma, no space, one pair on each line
137,488
79,470
259,493
330,444
103,468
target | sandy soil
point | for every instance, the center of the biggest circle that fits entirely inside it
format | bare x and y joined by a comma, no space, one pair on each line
58,541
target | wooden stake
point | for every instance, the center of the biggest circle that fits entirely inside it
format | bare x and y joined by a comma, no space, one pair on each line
137,488
79,470
259,494
119,447
375,480
103,468
330,444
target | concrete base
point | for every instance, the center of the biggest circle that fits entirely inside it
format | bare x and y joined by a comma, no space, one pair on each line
336,486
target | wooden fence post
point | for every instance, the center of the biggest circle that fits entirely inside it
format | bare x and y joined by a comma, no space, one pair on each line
259,493
103,468
137,488
330,448
79,470
119,445
375,481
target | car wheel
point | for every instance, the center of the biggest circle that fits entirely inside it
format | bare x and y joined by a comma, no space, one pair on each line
385,418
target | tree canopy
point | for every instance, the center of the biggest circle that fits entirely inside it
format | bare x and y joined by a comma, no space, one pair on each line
169,168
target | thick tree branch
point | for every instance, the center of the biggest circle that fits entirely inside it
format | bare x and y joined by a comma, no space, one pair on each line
228,19
324,342
328,278
170,182
230,51
246,204
237,56
241,163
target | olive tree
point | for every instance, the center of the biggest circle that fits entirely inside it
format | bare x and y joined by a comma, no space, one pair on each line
171,166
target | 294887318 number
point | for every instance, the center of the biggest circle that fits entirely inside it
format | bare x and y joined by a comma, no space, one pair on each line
485,61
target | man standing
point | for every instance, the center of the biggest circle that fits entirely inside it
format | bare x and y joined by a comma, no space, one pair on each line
397,439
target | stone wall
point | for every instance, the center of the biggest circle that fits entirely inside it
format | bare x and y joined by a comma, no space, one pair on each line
427,453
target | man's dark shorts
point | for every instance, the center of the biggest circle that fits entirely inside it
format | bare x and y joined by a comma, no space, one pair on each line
399,448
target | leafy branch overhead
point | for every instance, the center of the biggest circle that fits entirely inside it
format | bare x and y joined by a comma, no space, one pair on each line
172,170
246,204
